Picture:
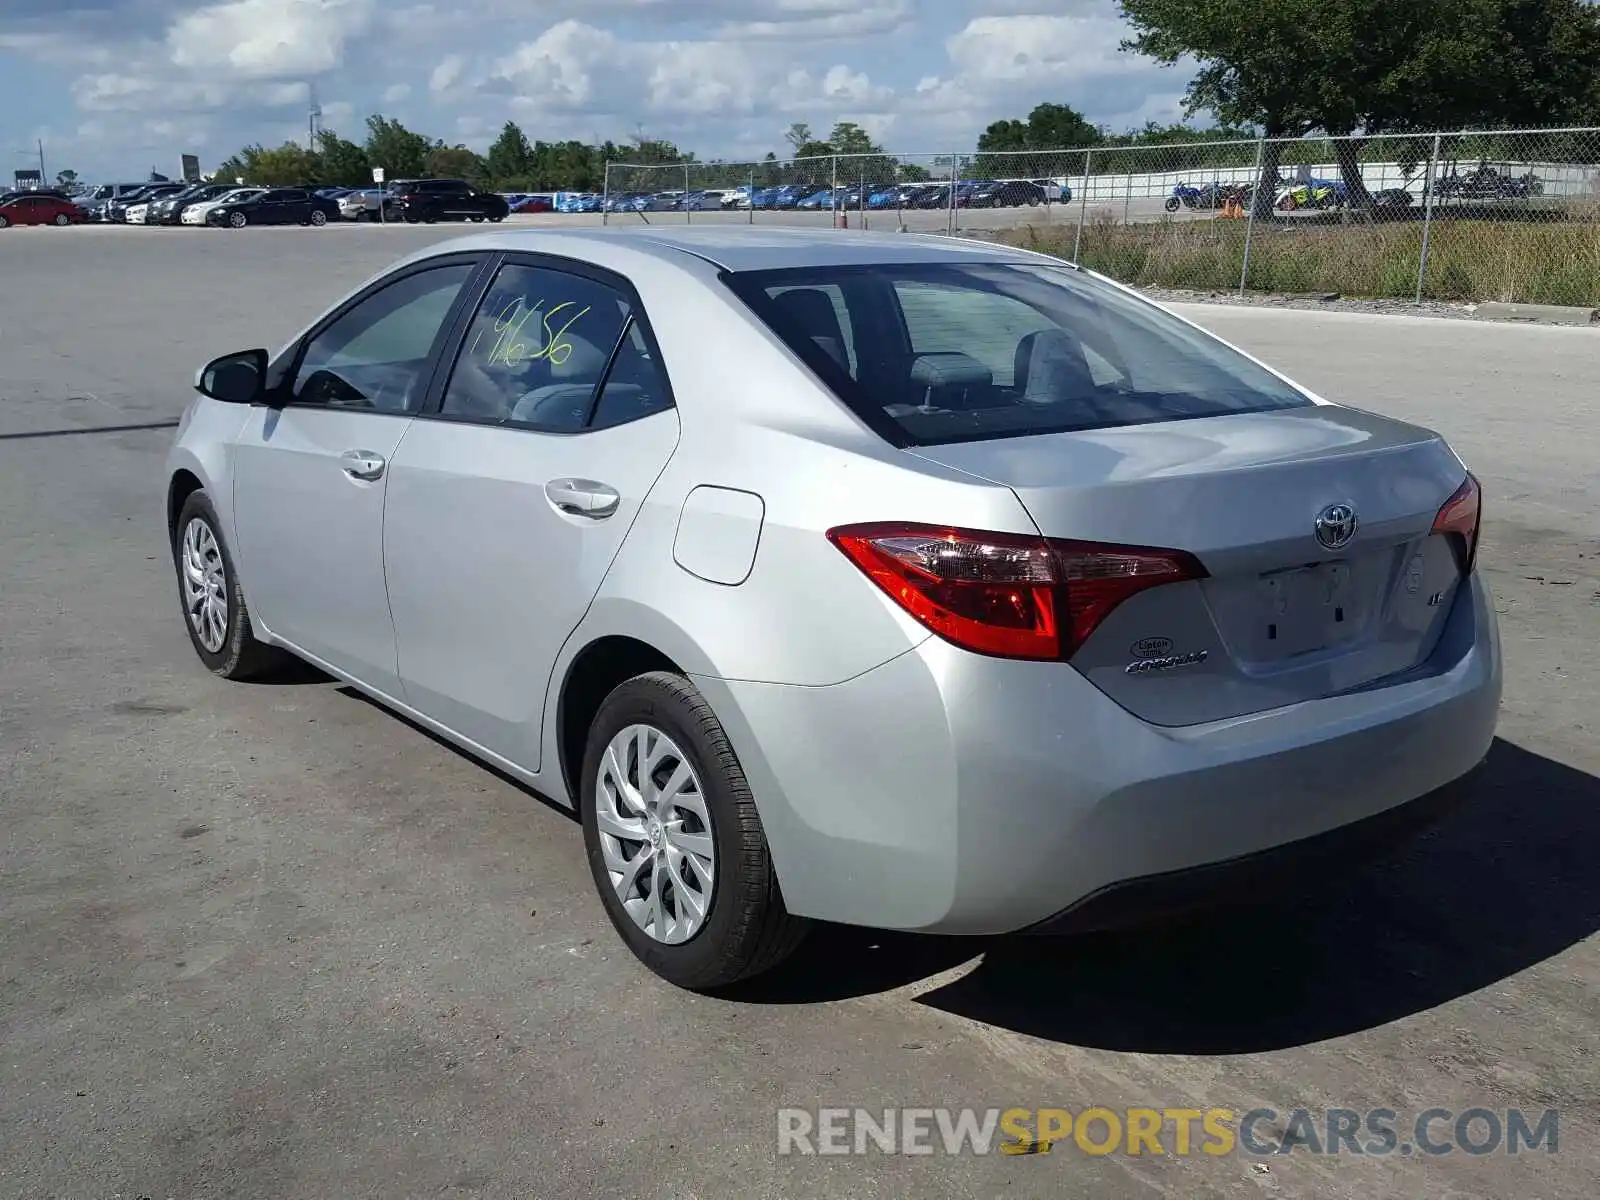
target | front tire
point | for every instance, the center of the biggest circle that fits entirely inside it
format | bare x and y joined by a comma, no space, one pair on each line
62,220
674,842
238,220
215,613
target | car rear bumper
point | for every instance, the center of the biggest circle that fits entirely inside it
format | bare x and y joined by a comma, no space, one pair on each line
950,793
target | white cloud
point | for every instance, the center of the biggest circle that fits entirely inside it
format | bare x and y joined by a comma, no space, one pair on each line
446,74
722,77
268,38
821,20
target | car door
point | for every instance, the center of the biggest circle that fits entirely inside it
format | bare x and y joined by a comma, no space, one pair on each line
310,471
267,209
28,211
507,505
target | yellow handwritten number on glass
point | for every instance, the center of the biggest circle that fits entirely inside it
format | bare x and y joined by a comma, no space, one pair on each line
508,351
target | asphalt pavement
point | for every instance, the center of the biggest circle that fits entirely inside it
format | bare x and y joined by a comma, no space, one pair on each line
270,940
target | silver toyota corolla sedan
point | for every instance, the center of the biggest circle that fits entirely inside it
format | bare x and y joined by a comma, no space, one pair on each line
889,580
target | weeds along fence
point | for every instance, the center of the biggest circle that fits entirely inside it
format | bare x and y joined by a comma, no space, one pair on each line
1464,215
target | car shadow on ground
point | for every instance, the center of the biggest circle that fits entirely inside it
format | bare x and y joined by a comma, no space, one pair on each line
353,693
1507,881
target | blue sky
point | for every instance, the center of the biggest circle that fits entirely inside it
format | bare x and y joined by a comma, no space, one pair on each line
116,86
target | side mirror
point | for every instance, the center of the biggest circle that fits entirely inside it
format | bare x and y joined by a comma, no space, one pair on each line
239,378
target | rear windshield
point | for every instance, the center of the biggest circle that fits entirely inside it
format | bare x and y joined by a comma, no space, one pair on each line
952,352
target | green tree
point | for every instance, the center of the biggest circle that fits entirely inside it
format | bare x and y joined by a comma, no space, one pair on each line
1374,66
281,166
67,179
510,158
1034,147
400,152
867,163
455,162
343,162
798,135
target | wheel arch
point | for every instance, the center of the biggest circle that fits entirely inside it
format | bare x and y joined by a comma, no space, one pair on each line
597,669
183,484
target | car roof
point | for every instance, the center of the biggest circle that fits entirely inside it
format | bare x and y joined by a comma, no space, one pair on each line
740,248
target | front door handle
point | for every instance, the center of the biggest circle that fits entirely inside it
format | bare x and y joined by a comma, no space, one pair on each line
582,498
362,464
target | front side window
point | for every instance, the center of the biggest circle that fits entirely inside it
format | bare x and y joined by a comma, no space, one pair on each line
961,352
538,350
376,354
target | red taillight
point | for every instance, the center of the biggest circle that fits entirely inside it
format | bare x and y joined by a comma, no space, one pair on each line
1461,517
1004,594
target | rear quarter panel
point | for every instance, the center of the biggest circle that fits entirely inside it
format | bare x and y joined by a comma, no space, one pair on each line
755,420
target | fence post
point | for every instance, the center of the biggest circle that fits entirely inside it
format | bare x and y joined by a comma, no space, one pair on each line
833,195
605,195
950,213
1427,215
752,193
688,210
1250,223
1083,206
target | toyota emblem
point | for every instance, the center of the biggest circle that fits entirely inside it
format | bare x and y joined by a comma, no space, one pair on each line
1336,525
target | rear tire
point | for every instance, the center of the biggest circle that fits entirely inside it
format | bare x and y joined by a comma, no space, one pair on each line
319,218
206,573
736,928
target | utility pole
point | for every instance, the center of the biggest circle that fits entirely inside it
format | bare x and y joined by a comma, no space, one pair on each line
44,180
313,116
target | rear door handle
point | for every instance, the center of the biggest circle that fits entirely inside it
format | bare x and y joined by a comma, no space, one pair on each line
582,497
362,464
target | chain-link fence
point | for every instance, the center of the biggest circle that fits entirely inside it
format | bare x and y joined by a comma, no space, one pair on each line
1512,215
915,192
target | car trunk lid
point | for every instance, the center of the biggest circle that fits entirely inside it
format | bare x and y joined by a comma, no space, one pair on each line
1282,615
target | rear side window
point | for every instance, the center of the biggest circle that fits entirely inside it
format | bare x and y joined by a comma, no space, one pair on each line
931,353
556,352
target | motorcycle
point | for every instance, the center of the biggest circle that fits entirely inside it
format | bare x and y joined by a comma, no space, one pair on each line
1208,196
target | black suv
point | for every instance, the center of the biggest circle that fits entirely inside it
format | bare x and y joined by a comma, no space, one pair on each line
442,200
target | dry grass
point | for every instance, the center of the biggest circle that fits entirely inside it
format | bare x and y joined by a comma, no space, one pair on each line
1548,262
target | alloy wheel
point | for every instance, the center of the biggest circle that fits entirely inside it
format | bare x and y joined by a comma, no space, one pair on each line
205,585
655,834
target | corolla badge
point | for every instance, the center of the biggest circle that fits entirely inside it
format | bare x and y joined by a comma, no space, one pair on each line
1335,526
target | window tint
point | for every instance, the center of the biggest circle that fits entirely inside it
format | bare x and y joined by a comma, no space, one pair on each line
536,349
957,352
635,386
375,355
821,311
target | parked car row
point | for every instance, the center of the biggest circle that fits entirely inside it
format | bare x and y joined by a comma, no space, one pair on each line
981,193
235,206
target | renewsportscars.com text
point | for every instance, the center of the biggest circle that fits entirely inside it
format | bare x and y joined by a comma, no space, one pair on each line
1179,1132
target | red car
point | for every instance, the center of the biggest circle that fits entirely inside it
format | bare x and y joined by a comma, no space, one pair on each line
39,210
534,204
